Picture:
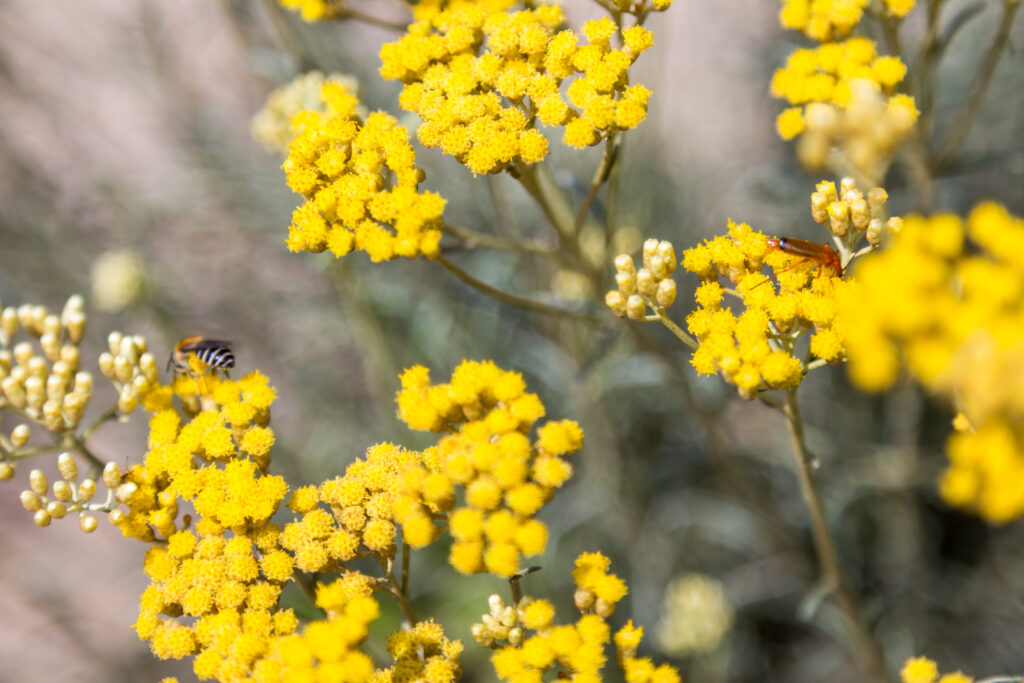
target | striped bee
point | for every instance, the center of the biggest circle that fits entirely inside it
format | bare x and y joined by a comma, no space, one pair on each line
214,353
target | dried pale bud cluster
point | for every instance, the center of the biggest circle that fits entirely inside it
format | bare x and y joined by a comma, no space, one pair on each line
500,627
862,137
850,215
67,495
40,378
131,368
651,286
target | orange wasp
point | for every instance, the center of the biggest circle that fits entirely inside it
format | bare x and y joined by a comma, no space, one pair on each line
822,254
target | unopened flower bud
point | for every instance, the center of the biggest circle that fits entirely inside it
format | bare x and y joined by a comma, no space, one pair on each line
83,384
19,435
87,489
56,509
70,354
125,491
583,599
31,501
123,369
39,314
508,616
76,326
111,475
894,224
876,202
140,343
51,325
14,390
37,480
139,385
55,388
658,268
73,408
50,343
106,363
6,471
8,324
37,367
874,232
127,401
87,523
819,207
846,186
67,466
516,636
615,301
859,214
668,253
114,342
626,282
116,517
650,249
645,282
838,219
635,307
41,518
62,491
53,417
603,608
624,264
129,351
482,635
666,292
25,317
35,390
148,366
23,352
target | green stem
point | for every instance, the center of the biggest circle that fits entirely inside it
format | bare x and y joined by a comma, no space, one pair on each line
833,579
507,298
473,238
600,175
662,315
982,79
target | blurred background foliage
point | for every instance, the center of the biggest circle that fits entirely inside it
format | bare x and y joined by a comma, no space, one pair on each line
125,145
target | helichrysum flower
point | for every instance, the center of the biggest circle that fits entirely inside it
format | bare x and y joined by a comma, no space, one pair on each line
360,183
650,287
822,20
696,615
313,10
480,77
287,108
924,670
952,314
487,416
422,653
117,278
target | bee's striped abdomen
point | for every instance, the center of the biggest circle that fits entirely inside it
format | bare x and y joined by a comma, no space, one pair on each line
213,353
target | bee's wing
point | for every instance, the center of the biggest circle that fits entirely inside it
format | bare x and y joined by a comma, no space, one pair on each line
201,344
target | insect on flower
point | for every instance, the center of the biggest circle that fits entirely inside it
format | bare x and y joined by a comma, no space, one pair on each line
822,254
212,352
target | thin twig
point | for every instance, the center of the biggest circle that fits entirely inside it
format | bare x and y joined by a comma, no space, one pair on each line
474,238
671,325
600,175
982,79
406,549
833,579
507,298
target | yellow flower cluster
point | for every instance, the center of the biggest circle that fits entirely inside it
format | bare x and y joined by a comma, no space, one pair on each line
293,105
313,10
488,453
421,653
651,286
827,20
40,379
360,183
480,77
578,649
952,313
924,670
842,79
755,349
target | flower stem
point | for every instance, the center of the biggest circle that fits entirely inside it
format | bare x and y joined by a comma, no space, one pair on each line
833,580
473,238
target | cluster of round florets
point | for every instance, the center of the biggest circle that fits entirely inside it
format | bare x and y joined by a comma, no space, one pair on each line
827,20
134,372
755,349
850,215
843,91
480,77
67,495
314,10
651,286
422,653
360,182
40,378
924,670
579,649
951,313
488,453
288,109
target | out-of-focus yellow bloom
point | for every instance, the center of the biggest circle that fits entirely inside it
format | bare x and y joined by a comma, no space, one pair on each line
282,117
952,314
579,649
696,616
924,670
313,10
117,278
822,20
360,182
487,451
480,76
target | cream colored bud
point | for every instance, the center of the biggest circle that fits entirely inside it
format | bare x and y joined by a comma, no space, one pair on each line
6,471
876,202
50,344
62,491
167,499
116,517
53,417
23,352
859,214
482,635
56,387
846,186
626,282
76,326
666,292
615,301
111,475
125,491
129,350
583,599
148,366
70,355
636,308
41,518
67,466
496,605
114,342
106,363
39,314
127,402
31,501
25,317
668,253
14,391
839,219
8,325
37,367
87,523
650,249
603,608
645,282
51,325
73,407
35,392
894,224
19,435
659,269
75,303
5,362
56,509
508,616
87,489
37,480
874,232
516,636
140,385
140,343
624,264
83,384
819,207
123,369
61,369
